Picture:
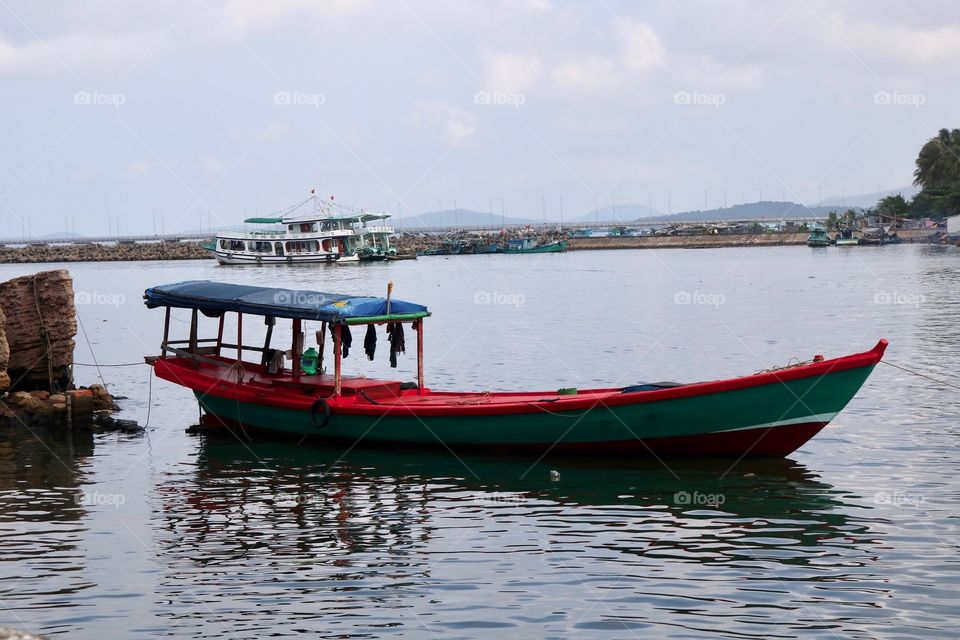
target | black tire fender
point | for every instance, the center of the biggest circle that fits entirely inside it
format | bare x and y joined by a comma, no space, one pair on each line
320,413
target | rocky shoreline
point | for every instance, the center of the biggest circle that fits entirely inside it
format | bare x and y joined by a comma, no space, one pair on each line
38,324
410,244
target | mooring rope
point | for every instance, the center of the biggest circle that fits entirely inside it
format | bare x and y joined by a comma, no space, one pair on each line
92,354
122,364
922,375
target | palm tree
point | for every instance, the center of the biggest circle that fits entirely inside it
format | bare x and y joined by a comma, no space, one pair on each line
939,161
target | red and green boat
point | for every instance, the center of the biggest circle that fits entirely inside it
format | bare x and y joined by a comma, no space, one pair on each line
771,413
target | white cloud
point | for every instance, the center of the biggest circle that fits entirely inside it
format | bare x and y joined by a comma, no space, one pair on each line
508,72
455,124
640,46
141,166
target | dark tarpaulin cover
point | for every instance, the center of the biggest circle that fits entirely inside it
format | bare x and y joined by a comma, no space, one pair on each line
213,298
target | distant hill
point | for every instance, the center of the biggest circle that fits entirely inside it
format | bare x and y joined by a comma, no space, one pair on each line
457,218
747,211
867,200
620,212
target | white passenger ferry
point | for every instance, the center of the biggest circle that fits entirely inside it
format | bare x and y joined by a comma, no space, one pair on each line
329,233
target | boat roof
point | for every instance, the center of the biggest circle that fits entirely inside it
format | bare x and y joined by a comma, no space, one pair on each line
214,298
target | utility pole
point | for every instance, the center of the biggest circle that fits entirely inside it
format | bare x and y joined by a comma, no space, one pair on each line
491,212
544,213
704,199
503,215
561,213
649,204
596,208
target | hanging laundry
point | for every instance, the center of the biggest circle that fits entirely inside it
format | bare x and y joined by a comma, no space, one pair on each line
370,342
395,335
346,340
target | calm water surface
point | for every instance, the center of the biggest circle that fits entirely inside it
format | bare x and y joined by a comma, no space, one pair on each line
175,535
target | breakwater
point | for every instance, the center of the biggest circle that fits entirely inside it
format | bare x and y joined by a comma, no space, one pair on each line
103,252
410,243
717,241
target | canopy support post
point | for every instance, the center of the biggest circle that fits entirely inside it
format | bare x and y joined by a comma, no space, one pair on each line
294,350
193,331
336,360
420,355
264,358
239,339
166,331
223,317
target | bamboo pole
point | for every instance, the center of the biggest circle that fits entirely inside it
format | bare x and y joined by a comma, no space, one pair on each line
295,359
336,361
420,355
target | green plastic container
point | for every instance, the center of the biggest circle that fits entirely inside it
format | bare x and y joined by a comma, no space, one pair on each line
308,361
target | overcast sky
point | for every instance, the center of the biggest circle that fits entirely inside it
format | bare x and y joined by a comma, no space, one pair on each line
237,107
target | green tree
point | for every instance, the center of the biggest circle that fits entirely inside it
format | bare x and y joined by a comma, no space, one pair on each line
938,164
832,221
894,206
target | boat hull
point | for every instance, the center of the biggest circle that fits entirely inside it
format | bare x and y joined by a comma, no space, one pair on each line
225,258
769,414
553,247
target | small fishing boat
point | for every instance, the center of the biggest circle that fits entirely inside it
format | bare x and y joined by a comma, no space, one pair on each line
818,237
845,238
770,413
532,245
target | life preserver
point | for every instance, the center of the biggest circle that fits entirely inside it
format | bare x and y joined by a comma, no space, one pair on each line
321,407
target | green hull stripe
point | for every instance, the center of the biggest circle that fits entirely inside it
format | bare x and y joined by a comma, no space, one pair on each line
807,399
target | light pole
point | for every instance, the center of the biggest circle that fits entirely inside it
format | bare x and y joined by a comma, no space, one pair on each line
704,199
649,204
820,191
491,212
544,205
561,213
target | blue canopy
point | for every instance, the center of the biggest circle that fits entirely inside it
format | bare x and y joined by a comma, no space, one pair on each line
213,298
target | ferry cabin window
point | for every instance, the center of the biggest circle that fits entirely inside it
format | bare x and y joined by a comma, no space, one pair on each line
259,247
307,227
302,246
290,227
236,245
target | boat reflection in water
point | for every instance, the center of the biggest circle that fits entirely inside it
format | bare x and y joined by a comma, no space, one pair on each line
367,539
43,520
